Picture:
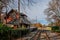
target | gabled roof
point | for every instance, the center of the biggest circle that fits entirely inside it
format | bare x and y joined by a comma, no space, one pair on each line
22,14
12,10
16,21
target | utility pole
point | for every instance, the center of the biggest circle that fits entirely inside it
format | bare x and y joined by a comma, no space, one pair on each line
36,19
19,13
19,6
6,12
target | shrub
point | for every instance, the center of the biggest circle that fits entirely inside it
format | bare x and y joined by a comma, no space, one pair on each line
1,24
5,32
15,33
58,31
55,28
19,32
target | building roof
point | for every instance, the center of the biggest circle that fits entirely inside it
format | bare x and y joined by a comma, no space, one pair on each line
22,18
25,21
22,14
12,10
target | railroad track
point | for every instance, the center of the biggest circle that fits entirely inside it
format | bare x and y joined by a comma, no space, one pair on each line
35,37
41,35
38,35
30,36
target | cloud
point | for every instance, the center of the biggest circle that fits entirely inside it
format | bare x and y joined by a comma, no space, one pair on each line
38,11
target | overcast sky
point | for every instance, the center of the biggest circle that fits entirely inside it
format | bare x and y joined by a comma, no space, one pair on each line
37,10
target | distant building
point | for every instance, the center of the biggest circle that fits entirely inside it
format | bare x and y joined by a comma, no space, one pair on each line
38,25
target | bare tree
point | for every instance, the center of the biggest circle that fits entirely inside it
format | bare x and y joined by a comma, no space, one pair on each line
27,4
23,3
3,5
53,10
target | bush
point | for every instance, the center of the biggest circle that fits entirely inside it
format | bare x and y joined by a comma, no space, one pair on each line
5,32
55,28
1,25
58,31
15,33
19,33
